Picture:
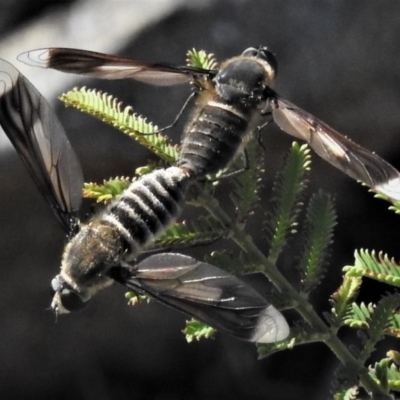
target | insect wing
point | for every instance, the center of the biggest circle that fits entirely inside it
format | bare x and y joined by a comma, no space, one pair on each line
341,152
41,142
209,294
106,66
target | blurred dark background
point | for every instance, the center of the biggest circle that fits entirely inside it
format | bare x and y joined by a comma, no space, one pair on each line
339,60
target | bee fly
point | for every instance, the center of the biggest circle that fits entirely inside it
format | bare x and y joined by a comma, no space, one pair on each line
229,107
102,250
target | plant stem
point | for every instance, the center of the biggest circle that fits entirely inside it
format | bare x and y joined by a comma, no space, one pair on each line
303,307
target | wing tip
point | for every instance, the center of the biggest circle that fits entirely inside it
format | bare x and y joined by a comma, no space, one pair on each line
390,188
271,327
8,76
35,58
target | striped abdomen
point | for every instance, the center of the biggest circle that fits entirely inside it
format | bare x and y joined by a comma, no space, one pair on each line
148,207
130,223
213,138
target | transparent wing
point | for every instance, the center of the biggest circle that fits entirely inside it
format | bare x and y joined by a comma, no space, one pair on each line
341,152
207,293
41,142
110,67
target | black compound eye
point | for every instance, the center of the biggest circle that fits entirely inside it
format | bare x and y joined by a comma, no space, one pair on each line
67,297
71,301
250,52
263,53
269,58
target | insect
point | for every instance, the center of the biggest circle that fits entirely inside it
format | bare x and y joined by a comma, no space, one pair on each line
228,108
102,251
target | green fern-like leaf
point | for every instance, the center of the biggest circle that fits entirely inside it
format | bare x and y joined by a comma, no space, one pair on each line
239,265
379,267
394,329
377,318
395,204
395,207
387,373
394,378
248,183
250,265
227,262
109,109
381,374
320,221
201,59
341,300
196,330
286,200
202,231
347,394
359,315
107,191
136,298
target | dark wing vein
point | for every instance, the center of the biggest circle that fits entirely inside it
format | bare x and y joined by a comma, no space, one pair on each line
107,66
41,142
341,152
207,293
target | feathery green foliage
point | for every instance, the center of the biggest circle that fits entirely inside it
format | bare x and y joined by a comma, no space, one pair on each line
226,261
286,201
395,207
342,299
319,224
109,109
372,321
377,318
201,59
197,232
106,191
347,394
196,330
395,204
248,183
363,316
387,373
135,298
380,267
394,329
359,315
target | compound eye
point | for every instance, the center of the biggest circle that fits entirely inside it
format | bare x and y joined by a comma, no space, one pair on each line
250,52
66,299
71,301
269,58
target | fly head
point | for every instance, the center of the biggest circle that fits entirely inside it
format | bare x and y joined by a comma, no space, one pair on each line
244,79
